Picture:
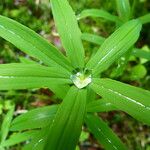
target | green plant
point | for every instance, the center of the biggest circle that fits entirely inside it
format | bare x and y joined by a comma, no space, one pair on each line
58,127
125,13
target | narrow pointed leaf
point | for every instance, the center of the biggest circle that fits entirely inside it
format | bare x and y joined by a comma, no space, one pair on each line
23,76
37,118
141,53
91,95
124,9
16,83
60,90
98,13
145,19
18,138
38,141
100,106
93,38
31,43
67,124
21,69
68,29
104,134
115,46
132,100
6,124
121,64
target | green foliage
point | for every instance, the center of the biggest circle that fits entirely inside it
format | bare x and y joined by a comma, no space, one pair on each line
65,20
115,46
98,13
59,127
132,100
103,133
69,117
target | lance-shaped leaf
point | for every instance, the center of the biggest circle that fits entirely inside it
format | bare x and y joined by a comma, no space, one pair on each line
23,76
69,31
141,53
38,141
59,90
93,38
19,137
17,69
98,13
115,46
66,127
6,124
31,43
100,106
36,118
104,134
145,19
134,101
124,9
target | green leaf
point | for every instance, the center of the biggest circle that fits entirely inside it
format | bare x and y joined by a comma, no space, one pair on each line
145,19
50,71
57,89
31,43
32,70
23,76
141,53
38,141
90,94
36,118
6,124
124,9
104,134
18,138
115,46
100,106
69,31
67,124
132,100
93,38
121,64
60,90
98,13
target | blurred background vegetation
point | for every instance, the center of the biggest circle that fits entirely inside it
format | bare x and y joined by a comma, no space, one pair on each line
36,14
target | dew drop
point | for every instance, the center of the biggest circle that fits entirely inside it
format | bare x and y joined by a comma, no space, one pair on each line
81,78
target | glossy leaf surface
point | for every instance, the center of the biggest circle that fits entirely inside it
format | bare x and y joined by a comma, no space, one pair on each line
145,19
38,140
23,76
32,70
134,101
141,53
92,38
69,31
124,9
104,134
98,13
18,138
6,124
31,43
115,46
66,127
36,118
100,106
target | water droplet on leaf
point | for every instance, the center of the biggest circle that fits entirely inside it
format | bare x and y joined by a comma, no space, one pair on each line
81,78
